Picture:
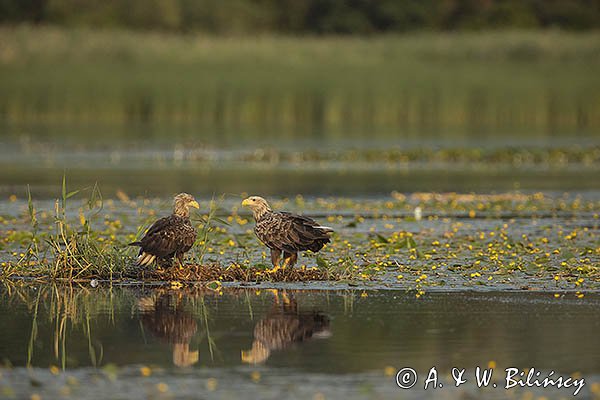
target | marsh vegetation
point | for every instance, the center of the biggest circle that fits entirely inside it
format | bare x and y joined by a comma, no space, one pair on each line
524,241
467,86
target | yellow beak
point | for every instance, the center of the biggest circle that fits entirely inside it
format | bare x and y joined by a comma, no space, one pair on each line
194,204
246,202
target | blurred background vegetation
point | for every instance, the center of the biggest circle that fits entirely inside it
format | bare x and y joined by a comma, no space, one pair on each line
62,83
265,70
306,74
306,16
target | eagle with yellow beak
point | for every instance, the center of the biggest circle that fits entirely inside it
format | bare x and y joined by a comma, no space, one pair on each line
171,236
284,233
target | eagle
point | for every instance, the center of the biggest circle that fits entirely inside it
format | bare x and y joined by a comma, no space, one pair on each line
283,327
170,236
285,233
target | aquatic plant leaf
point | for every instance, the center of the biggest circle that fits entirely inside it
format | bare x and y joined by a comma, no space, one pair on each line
214,285
410,242
382,238
321,262
71,194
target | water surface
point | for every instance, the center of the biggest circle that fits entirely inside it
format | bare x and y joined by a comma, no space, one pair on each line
129,342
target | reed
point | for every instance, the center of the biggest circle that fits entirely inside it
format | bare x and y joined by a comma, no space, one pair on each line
539,84
73,250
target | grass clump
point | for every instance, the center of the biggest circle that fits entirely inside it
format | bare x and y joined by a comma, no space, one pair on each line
75,251
69,251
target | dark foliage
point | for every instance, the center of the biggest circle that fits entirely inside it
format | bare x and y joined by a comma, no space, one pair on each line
307,16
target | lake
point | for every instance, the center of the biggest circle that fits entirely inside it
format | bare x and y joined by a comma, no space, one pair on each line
148,342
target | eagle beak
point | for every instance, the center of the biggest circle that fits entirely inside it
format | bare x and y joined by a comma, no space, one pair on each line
246,202
194,204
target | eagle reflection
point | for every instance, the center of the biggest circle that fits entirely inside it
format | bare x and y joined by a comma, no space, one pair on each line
284,326
166,319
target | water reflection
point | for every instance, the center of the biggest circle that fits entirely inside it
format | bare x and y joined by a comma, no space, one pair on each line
165,317
112,342
75,327
284,326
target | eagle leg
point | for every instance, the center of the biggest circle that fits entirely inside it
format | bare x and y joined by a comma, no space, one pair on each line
286,259
275,257
290,259
179,258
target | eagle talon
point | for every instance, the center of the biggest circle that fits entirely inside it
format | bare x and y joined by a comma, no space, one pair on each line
274,269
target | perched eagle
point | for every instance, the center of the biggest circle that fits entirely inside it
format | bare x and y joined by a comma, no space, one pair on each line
286,233
170,236
283,327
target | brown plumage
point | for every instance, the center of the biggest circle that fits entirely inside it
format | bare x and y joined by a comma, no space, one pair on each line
286,233
170,236
167,319
284,326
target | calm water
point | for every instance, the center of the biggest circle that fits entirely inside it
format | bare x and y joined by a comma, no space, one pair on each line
294,344
156,168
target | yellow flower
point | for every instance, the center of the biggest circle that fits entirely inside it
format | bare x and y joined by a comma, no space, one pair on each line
162,387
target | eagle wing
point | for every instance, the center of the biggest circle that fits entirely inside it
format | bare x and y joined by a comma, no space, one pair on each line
291,232
168,235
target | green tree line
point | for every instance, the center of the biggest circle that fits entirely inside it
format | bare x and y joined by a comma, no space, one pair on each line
306,16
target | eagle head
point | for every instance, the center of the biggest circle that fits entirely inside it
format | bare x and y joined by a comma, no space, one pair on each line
182,203
257,205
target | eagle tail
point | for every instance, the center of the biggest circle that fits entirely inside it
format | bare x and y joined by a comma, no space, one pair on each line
325,229
145,259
